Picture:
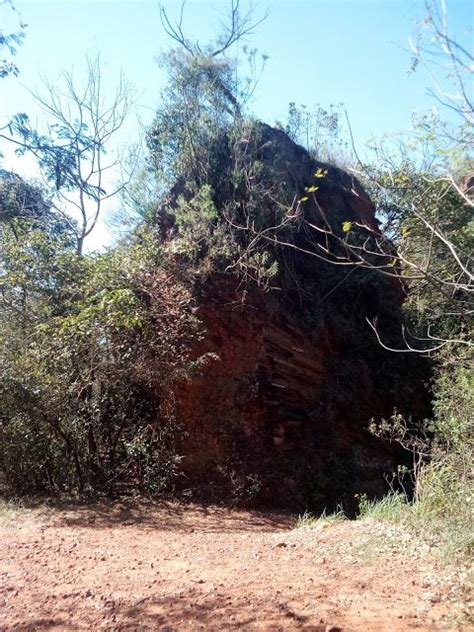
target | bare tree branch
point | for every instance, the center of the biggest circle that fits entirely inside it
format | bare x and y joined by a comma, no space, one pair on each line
72,155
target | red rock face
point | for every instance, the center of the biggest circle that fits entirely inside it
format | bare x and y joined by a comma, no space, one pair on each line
339,193
270,405
263,374
280,407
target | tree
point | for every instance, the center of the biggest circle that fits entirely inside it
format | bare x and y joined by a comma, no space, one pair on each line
234,29
31,234
88,346
205,96
449,63
9,43
425,237
73,152
319,130
426,208
20,200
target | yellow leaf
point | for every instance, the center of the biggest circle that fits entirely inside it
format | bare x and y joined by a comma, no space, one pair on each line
321,173
304,199
311,189
346,226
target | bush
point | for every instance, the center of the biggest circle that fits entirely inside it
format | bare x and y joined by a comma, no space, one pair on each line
442,507
88,346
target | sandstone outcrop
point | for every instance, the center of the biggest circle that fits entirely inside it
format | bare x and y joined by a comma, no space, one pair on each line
280,410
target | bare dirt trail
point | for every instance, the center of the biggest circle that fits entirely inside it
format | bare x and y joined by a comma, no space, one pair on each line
136,567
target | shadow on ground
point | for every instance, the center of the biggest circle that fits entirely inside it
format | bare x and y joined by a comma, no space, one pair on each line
191,611
171,517
216,612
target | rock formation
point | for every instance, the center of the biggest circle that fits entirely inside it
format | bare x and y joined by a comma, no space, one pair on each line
280,411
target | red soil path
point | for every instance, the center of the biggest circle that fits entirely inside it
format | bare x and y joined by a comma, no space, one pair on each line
138,567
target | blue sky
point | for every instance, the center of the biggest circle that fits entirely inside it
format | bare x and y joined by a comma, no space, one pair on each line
320,51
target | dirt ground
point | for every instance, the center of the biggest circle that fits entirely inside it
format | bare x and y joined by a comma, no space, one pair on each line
142,567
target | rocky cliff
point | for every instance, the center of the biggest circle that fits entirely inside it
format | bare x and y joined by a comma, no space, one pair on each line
279,411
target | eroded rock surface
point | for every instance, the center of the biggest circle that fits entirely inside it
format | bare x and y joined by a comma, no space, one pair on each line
280,409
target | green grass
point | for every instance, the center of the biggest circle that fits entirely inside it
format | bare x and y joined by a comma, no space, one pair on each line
445,511
442,515
393,506
310,521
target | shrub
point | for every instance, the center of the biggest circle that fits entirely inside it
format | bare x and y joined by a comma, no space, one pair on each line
88,346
